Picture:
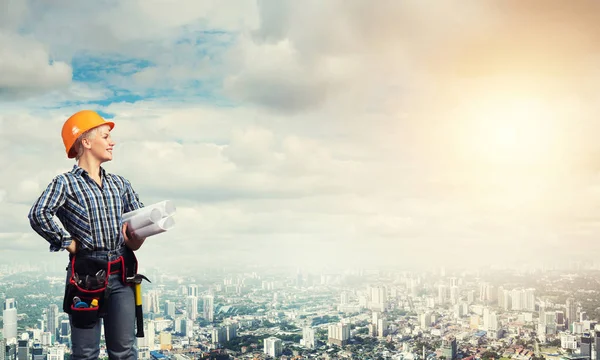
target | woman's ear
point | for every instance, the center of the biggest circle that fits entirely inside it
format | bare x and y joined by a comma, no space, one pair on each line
86,143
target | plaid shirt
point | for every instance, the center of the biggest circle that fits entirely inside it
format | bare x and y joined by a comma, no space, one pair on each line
89,213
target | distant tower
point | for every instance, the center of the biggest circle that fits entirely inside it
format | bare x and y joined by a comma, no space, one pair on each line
586,345
308,334
597,343
571,312
10,319
209,308
193,290
192,307
52,320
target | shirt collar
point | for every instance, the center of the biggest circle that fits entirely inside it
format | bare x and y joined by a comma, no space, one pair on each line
77,170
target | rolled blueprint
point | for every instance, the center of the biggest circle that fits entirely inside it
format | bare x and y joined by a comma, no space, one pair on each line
166,208
147,216
161,226
151,220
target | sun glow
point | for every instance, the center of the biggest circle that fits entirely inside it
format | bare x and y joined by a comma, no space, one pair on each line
511,131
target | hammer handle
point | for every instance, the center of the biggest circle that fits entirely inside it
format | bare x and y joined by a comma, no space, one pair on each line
139,316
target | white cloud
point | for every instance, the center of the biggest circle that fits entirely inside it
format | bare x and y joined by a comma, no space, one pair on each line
26,69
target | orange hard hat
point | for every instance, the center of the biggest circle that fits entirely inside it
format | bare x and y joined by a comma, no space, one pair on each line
79,123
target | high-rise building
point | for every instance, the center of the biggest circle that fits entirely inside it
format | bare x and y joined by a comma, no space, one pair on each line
209,308
150,302
166,341
529,299
449,348
193,290
344,298
470,296
192,307
442,290
273,347
454,295
65,331
52,319
188,328
231,331
586,345
2,347
378,298
23,349
597,343
219,335
382,328
570,312
38,352
56,353
308,335
501,297
170,308
9,317
338,334
155,307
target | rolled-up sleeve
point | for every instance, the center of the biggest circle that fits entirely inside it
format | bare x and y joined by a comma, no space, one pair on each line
41,215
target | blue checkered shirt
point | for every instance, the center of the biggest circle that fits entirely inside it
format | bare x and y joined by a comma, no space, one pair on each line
89,213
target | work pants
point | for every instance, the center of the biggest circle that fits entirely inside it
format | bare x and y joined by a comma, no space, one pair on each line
118,320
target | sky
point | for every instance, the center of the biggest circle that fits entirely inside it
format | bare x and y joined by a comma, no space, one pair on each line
317,134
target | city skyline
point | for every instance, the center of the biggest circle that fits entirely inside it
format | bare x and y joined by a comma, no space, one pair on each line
549,315
379,135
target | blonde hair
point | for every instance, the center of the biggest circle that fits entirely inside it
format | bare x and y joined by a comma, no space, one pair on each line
90,134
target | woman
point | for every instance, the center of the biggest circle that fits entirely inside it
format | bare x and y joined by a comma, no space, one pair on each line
89,202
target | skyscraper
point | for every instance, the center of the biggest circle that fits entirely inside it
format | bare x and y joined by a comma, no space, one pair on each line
170,308
23,349
338,334
52,319
308,334
209,308
273,347
2,347
10,319
193,290
571,311
192,307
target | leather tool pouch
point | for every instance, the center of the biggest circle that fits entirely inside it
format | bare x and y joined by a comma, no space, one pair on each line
88,282
86,290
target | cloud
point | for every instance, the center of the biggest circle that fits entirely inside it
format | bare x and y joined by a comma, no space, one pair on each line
26,68
402,132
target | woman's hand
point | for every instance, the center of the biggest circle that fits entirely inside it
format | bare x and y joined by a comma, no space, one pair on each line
73,247
130,240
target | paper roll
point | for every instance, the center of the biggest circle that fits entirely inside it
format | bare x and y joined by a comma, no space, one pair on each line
161,226
144,218
166,208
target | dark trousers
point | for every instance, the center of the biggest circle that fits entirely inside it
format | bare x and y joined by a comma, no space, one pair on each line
119,320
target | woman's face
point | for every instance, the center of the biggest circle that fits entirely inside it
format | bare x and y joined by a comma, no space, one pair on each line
101,145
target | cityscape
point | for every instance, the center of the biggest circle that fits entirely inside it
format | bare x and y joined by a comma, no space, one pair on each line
354,313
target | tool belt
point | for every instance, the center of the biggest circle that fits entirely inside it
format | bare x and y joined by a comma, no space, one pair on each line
87,290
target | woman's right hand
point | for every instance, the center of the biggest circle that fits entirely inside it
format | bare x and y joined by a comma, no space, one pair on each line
73,246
